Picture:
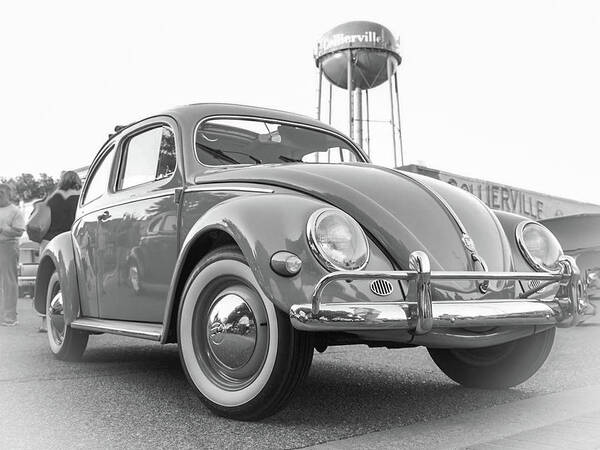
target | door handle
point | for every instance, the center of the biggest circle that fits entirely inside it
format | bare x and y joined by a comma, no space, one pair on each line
104,216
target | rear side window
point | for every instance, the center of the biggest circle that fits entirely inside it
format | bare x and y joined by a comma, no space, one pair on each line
148,156
98,182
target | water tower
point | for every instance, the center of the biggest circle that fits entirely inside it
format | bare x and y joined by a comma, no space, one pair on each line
359,56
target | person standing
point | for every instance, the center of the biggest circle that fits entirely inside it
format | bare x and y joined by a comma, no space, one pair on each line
12,226
63,206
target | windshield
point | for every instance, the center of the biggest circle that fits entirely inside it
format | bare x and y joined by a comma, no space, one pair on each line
246,141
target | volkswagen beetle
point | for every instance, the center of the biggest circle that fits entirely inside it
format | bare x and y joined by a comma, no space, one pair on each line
250,237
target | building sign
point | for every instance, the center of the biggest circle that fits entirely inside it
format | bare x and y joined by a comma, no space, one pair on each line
509,198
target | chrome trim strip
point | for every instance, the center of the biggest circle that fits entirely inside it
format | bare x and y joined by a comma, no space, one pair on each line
404,315
134,198
141,330
165,193
440,200
468,242
229,188
338,135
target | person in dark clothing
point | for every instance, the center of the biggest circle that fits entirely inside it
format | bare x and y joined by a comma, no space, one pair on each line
63,206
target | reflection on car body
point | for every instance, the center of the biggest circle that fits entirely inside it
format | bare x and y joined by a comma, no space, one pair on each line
251,237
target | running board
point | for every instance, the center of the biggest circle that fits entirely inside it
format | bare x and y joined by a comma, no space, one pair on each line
142,330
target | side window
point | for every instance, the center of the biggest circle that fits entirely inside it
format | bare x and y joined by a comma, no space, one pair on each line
148,156
97,183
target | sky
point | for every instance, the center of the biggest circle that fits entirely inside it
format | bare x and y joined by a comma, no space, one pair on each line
507,91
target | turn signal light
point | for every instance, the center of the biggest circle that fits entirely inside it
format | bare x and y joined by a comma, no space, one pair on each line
286,264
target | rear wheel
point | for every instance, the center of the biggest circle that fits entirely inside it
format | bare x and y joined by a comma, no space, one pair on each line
497,367
239,352
66,343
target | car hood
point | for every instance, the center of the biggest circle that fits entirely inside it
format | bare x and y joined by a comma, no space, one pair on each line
401,211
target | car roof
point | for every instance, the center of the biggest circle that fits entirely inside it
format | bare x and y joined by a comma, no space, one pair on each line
197,111
200,110
193,113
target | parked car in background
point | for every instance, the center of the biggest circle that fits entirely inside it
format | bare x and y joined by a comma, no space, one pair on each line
28,266
579,236
251,237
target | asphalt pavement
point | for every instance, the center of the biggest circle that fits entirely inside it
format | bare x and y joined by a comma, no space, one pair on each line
129,393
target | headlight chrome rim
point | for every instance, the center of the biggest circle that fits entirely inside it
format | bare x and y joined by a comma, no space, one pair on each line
315,248
525,251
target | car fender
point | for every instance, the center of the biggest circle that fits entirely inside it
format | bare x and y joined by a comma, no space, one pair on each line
509,222
260,225
60,256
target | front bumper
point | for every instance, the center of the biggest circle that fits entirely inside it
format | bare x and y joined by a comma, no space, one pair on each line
421,315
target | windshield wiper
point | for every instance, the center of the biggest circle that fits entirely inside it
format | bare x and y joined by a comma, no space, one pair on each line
217,153
221,154
288,159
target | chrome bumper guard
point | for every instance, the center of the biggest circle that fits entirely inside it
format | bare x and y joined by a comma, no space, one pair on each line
422,315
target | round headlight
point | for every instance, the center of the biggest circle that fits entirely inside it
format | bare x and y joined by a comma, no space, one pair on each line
539,246
338,242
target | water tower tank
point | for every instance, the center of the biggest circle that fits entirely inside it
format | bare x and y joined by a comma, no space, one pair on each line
371,45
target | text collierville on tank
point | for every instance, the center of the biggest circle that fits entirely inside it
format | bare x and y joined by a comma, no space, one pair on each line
342,38
504,198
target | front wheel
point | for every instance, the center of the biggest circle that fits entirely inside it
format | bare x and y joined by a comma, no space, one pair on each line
66,343
239,352
497,367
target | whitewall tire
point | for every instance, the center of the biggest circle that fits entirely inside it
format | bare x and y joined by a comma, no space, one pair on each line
239,352
66,343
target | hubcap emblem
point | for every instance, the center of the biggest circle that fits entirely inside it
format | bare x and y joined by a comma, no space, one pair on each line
231,331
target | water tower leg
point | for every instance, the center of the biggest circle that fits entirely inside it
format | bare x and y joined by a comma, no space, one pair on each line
390,72
330,98
399,121
358,116
319,92
368,124
350,98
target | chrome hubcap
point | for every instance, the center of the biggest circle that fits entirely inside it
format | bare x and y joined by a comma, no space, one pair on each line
231,336
231,331
56,318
